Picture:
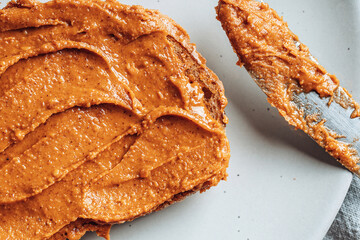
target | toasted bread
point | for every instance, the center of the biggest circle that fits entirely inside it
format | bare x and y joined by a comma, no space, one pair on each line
156,123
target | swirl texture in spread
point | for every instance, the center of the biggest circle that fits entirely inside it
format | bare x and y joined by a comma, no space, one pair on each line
107,113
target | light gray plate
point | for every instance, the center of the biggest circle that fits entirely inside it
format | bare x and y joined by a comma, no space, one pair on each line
281,184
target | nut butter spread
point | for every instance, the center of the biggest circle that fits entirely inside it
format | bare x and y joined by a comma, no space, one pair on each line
107,113
282,65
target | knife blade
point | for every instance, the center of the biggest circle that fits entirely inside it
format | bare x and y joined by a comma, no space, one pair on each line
305,94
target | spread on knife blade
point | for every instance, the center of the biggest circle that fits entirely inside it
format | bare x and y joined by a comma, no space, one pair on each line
283,68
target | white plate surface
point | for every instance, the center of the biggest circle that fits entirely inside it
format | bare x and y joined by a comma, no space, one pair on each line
281,184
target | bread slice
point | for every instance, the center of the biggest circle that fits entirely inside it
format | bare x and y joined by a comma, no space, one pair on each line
125,117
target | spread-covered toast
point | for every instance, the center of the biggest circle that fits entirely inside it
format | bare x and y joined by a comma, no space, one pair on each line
107,113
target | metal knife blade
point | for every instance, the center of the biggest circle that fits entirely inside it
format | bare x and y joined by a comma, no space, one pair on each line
332,120
335,118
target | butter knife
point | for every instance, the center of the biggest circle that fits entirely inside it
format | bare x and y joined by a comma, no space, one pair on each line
305,94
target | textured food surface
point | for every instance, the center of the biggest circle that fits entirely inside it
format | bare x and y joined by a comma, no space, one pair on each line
107,113
282,67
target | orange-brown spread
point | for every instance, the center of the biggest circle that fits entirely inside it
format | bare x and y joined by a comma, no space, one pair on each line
106,113
282,65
